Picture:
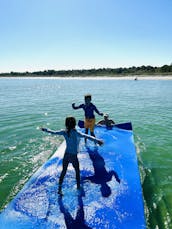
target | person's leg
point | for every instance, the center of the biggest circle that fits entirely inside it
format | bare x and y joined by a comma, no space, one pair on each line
92,124
75,164
86,132
92,133
63,173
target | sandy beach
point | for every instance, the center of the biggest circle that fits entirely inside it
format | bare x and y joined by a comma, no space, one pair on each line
136,78
121,77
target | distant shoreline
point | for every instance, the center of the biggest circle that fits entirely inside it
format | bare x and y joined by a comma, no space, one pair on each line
137,72
117,77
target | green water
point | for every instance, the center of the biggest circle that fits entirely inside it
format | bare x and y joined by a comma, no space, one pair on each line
26,104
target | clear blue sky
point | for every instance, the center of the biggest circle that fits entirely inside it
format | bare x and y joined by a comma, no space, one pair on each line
81,34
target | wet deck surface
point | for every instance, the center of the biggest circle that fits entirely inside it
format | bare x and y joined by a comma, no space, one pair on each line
111,195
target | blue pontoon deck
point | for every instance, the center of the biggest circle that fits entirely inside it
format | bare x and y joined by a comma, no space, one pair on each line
104,202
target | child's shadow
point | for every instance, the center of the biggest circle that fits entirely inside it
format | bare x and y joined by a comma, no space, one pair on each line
79,221
101,175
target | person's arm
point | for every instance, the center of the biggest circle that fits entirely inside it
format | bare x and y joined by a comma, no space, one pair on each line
97,111
58,132
112,122
100,123
77,107
93,139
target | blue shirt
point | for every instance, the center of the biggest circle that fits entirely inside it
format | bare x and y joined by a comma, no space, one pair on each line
72,139
88,109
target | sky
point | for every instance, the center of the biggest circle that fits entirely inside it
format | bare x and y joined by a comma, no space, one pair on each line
38,35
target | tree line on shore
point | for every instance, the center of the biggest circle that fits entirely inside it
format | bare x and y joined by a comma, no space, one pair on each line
143,70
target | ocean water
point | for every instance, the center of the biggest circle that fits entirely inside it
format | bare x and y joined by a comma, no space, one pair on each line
27,104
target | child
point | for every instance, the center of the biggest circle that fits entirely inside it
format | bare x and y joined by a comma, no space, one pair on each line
72,137
106,121
89,109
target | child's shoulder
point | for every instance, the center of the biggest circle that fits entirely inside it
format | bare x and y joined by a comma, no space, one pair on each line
92,104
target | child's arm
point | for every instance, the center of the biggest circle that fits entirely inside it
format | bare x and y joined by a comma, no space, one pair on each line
93,139
97,111
112,122
77,107
99,141
58,132
100,123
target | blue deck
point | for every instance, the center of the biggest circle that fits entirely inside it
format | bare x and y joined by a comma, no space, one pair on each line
105,202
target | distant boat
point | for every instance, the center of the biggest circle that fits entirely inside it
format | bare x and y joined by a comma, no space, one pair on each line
135,78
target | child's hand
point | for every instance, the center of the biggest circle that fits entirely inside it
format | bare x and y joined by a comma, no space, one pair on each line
43,129
100,142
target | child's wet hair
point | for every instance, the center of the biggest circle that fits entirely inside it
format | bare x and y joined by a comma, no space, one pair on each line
70,123
88,96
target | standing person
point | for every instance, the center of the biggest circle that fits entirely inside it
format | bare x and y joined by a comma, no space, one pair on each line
72,137
89,109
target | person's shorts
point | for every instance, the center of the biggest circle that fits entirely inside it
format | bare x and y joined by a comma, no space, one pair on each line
71,158
89,124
